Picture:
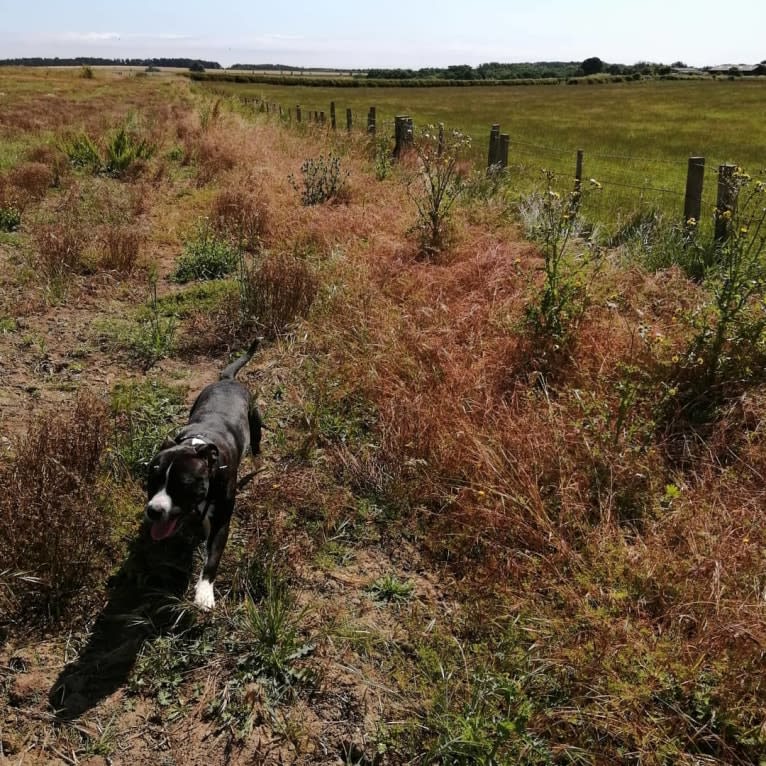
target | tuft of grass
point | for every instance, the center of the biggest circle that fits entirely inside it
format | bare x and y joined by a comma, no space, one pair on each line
124,149
82,152
10,218
242,217
391,589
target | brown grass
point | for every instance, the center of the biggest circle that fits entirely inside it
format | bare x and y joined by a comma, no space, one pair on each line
242,216
53,530
121,248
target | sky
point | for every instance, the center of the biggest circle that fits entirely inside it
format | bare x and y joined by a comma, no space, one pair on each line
416,33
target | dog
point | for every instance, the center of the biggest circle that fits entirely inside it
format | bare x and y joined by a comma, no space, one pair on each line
195,473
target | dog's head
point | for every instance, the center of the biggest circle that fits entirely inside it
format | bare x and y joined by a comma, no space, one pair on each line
178,484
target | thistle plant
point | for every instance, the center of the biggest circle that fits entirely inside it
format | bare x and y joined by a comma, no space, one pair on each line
553,221
728,348
322,180
437,185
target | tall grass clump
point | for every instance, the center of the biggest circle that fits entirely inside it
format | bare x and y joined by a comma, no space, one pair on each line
242,217
277,290
54,529
124,150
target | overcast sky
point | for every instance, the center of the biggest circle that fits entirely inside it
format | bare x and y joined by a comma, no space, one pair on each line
342,33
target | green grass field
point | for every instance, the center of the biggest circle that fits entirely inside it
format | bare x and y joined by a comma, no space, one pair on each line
637,137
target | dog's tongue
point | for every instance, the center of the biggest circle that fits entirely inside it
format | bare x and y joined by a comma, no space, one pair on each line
163,529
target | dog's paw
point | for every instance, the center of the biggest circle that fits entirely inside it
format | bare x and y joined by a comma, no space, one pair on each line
203,596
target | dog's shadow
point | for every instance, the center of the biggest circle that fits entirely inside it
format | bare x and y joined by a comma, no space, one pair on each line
144,601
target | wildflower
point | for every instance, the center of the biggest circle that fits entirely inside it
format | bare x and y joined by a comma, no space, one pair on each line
675,359
743,230
553,194
691,222
594,183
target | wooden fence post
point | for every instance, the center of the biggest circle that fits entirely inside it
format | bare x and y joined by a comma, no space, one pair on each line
403,134
727,199
371,119
349,119
578,171
494,138
502,150
333,123
298,113
695,176
321,118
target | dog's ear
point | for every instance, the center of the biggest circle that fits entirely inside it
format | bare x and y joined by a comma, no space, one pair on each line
168,443
210,453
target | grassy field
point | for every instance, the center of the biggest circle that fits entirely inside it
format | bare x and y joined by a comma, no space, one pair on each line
637,137
509,506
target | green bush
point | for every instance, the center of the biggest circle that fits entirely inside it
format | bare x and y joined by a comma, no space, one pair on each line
206,255
10,218
322,180
82,152
123,149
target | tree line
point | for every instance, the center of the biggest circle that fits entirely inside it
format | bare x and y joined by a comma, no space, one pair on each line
178,63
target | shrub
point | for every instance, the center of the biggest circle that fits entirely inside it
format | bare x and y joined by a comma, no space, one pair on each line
53,532
276,291
61,247
31,180
241,216
10,218
322,180
206,256
82,152
123,151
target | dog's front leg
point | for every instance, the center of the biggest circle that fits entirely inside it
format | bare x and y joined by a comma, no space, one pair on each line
215,543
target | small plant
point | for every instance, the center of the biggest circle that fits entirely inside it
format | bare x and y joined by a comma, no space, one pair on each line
82,152
154,337
273,627
206,255
121,248
322,180
390,588
86,72
382,157
10,218
437,185
123,150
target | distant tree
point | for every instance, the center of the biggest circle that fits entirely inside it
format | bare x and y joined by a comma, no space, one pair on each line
679,65
593,65
761,68
196,67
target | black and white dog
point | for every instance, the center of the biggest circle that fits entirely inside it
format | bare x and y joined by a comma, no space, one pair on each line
196,472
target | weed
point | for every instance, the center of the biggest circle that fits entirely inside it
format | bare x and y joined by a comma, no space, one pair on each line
31,180
82,152
123,150
206,256
727,351
86,72
561,301
10,218
436,186
390,588
273,628
322,180
382,158
154,336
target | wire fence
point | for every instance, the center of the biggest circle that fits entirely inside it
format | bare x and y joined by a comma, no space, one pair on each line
625,186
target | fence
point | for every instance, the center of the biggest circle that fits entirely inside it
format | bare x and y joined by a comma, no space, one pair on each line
627,185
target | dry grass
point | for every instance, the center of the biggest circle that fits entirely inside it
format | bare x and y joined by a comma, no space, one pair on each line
241,215
53,528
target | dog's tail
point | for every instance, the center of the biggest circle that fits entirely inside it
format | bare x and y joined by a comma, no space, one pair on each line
229,372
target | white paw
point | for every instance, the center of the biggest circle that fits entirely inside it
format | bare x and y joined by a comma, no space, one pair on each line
203,596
